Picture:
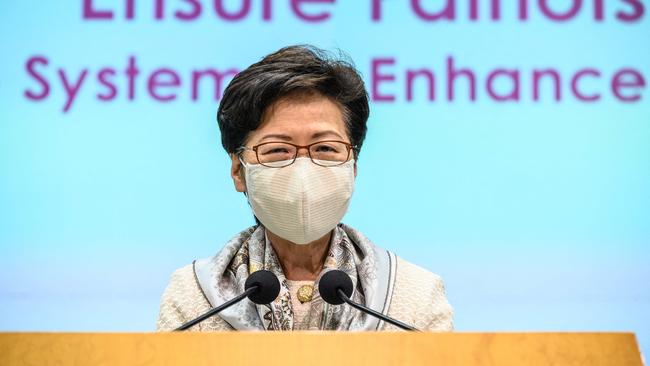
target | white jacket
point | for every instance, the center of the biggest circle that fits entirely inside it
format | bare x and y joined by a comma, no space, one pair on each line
419,299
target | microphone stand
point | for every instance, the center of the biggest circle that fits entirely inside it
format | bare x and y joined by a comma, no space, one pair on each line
216,310
374,313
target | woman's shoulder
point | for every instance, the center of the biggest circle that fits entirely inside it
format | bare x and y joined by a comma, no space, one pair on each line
183,276
419,298
416,277
183,300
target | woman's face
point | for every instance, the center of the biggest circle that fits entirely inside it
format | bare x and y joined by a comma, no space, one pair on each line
301,120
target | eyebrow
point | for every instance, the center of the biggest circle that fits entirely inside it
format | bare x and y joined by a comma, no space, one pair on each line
314,136
277,136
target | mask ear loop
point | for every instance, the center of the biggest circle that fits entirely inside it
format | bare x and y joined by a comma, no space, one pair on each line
244,165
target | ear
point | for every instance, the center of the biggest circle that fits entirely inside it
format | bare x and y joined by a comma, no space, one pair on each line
237,173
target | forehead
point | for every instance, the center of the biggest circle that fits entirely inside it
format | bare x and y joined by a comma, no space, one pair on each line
300,116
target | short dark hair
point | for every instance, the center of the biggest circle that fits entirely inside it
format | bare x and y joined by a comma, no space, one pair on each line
292,69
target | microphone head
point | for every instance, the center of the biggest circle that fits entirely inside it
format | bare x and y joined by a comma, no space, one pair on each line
331,282
268,286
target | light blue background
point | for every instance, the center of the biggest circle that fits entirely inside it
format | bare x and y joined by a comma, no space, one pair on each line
536,214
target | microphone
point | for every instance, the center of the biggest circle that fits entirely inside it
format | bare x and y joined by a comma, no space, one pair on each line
335,288
261,287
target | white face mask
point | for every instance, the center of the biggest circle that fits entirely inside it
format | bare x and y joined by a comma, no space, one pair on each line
300,202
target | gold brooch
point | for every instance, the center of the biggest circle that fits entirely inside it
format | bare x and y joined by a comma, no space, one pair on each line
305,292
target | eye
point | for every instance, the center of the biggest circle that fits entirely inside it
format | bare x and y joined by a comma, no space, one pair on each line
325,148
277,150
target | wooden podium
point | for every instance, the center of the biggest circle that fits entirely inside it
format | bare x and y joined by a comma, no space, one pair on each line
319,348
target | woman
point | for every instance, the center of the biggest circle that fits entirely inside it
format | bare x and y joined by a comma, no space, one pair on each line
293,125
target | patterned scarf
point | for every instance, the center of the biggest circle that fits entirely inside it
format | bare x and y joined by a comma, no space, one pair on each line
372,270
